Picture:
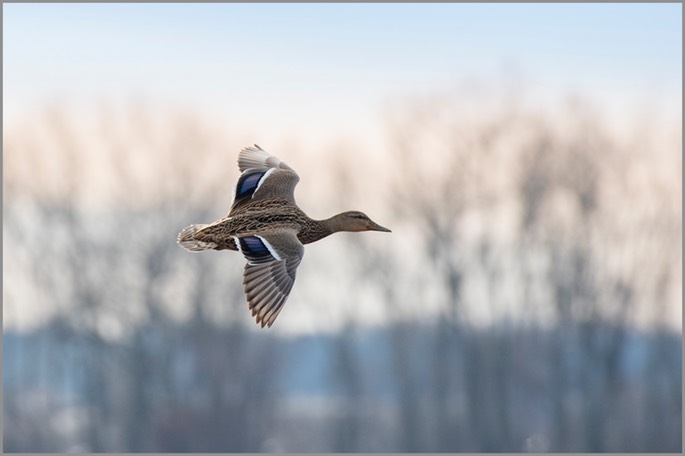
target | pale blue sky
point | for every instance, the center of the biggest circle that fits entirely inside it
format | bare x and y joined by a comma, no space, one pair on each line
321,65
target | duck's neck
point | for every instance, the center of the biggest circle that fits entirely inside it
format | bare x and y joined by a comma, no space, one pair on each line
314,230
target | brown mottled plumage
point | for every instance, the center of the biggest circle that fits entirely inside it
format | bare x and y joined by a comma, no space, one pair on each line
266,225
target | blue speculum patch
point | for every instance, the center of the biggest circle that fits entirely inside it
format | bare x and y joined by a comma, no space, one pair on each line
248,183
253,246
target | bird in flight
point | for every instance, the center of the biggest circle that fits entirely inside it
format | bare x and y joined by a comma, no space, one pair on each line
266,226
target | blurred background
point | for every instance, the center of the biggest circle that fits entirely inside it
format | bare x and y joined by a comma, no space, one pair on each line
528,159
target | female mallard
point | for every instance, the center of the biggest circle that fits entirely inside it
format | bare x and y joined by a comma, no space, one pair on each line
268,228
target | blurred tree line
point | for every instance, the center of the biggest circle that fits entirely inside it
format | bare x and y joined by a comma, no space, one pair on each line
527,290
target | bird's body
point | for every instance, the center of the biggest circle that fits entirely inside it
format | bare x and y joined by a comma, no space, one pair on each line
259,216
268,228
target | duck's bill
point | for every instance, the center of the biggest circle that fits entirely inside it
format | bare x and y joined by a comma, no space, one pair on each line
376,227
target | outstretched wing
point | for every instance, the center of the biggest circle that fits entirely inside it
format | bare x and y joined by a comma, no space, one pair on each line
272,261
263,176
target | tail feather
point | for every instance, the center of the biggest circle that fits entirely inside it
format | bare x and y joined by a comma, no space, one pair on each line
186,239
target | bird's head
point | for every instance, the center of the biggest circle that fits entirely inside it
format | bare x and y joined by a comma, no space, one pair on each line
357,221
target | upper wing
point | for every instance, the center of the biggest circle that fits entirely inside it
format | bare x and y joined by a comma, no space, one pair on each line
272,260
263,176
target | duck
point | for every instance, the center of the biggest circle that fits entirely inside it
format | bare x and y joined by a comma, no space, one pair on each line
267,227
